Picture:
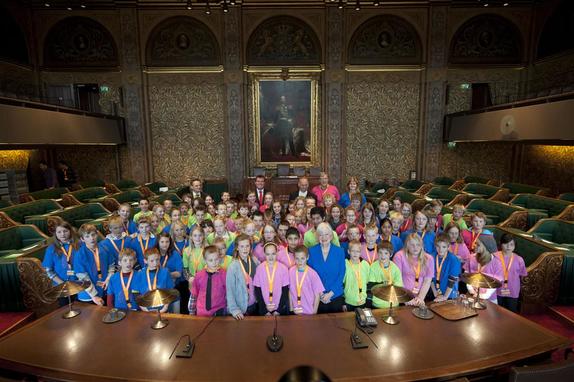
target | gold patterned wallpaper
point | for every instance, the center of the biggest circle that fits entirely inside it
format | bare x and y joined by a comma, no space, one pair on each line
382,124
187,126
549,166
90,162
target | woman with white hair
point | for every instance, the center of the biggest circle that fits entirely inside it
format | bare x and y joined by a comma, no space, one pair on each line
328,261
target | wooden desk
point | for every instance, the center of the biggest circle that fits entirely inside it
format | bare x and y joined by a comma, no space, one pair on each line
280,186
84,348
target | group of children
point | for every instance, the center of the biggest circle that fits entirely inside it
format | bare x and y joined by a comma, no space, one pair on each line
247,259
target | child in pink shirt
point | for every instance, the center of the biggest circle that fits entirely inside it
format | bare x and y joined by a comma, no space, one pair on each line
271,284
305,285
417,268
513,269
208,288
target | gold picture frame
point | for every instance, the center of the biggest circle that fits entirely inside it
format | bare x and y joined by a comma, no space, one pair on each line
285,114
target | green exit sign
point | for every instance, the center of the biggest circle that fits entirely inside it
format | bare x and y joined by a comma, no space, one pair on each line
104,89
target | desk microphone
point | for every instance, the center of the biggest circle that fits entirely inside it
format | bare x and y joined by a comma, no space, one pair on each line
274,342
356,340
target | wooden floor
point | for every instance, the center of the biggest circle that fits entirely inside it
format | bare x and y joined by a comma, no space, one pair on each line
84,348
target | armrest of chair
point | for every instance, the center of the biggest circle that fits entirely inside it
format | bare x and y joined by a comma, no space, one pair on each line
146,192
6,221
502,195
25,198
34,283
542,284
567,214
424,189
518,219
112,188
69,200
458,185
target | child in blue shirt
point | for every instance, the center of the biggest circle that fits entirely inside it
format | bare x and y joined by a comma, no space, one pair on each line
447,271
117,239
143,241
92,264
120,288
59,256
153,276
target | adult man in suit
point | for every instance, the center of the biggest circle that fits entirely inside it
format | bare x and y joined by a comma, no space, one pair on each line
260,188
195,189
303,186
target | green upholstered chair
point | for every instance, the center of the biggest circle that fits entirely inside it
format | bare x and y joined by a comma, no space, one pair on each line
568,196
215,187
556,231
475,179
155,186
412,185
49,193
519,188
92,213
498,213
416,201
443,181
167,195
450,197
92,183
487,191
112,202
544,264
22,240
5,203
372,194
84,195
26,213
126,184
545,206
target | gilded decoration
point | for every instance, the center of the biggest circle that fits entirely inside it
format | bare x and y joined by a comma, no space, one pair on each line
382,123
283,41
385,40
486,39
285,115
80,42
182,41
187,127
14,159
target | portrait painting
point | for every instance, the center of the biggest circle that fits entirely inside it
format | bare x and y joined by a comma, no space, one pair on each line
285,121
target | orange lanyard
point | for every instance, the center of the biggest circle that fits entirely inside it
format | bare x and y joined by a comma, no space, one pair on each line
180,251
141,244
246,275
417,271
474,239
439,268
358,275
300,284
118,250
126,288
506,269
96,255
165,261
288,257
68,253
149,285
374,253
270,280
195,259
455,252
387,273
